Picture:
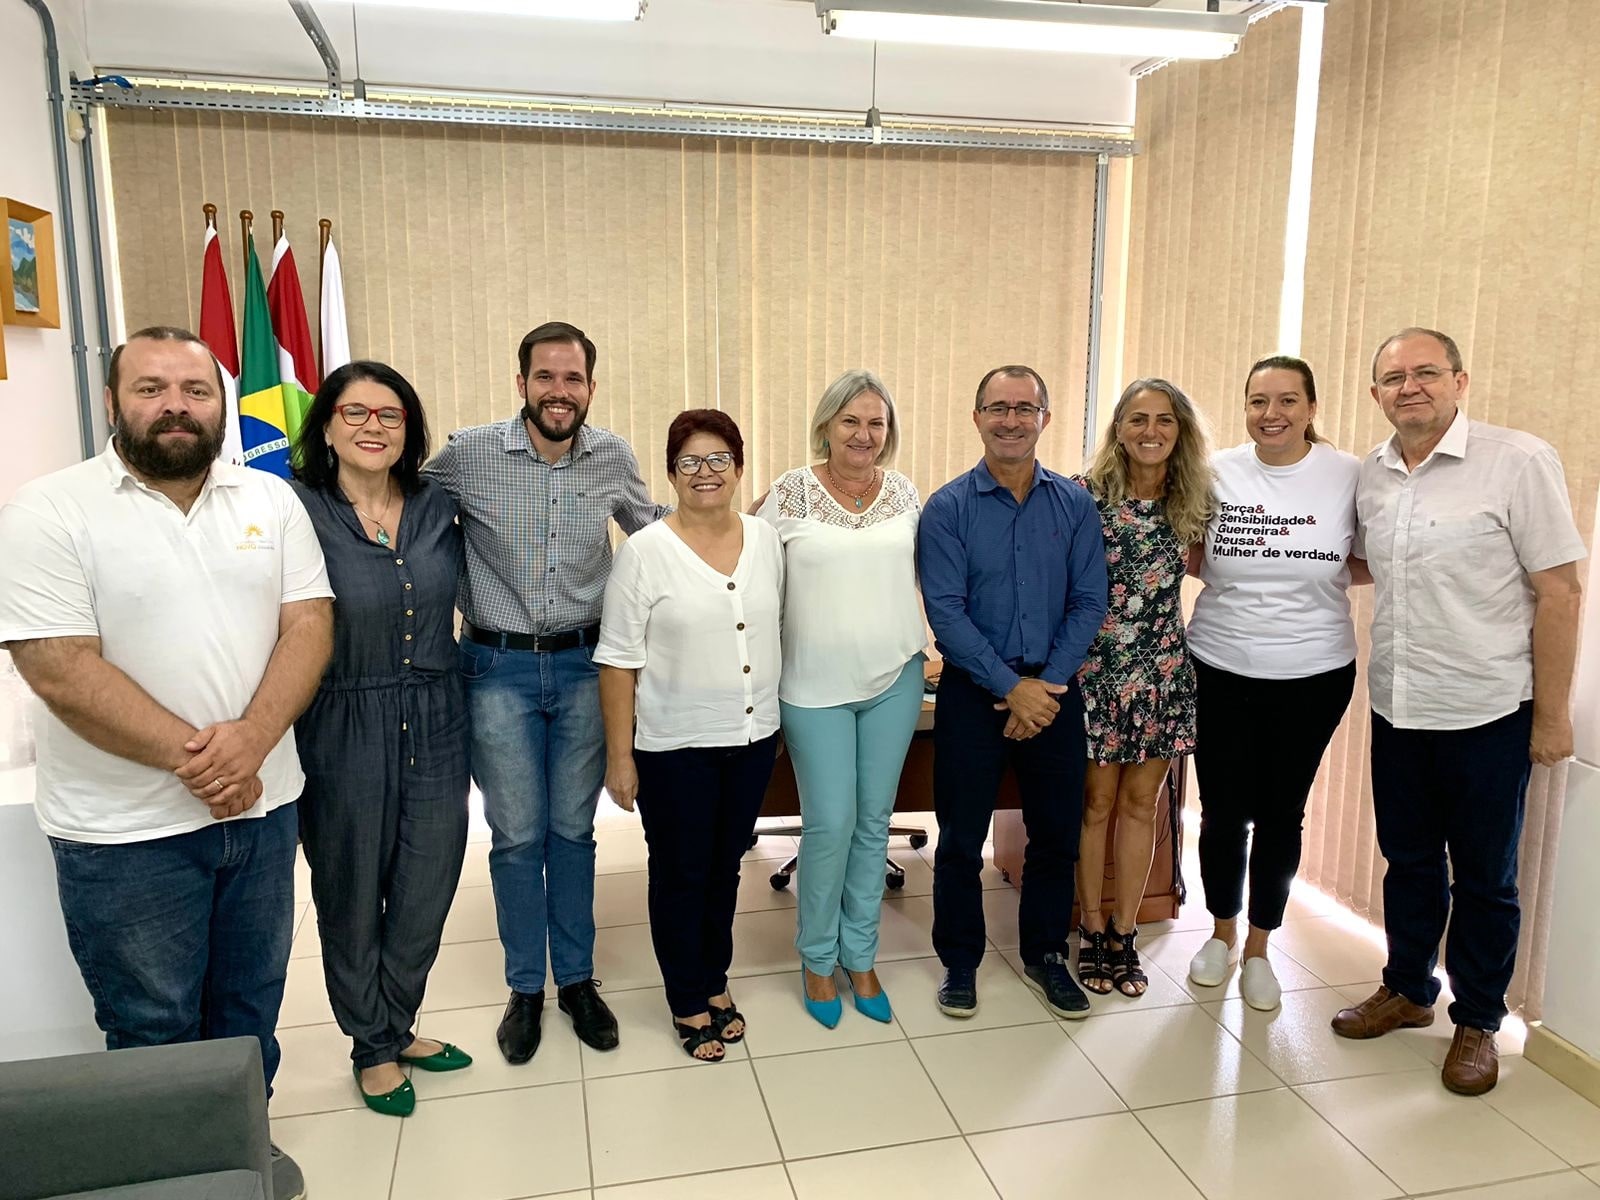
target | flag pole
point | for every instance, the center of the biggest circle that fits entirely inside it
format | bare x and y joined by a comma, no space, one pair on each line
324,236
277,225
245,218
210,211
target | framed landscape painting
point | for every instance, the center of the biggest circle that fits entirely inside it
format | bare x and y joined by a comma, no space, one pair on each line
28,294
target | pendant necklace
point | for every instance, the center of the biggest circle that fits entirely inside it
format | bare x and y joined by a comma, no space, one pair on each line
858,497
383,538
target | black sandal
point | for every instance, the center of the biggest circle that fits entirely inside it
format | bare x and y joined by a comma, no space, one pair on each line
1094,969
721,1018
1125,969
695,1036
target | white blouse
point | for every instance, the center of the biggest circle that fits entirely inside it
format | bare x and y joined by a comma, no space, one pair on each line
852,617
705,644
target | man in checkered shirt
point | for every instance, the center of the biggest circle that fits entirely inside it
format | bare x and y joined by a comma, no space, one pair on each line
537,492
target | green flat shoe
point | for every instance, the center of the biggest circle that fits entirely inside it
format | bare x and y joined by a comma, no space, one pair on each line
401,1102
451,1058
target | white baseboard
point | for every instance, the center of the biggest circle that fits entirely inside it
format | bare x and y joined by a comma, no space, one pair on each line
1574,1067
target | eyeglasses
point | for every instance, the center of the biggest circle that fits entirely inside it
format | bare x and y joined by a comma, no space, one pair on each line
357,414
689,464
1024,412
1422,376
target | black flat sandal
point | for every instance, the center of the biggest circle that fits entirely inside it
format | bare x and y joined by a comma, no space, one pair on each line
695,1036
721,1018
1094,963
1125,969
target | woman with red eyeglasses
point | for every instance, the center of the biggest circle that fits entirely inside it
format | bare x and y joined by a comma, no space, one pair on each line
383,819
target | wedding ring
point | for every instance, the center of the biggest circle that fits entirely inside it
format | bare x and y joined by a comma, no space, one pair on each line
218,783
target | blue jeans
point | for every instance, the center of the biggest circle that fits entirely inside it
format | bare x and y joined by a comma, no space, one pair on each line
184,938
539,757
847,762
1456,793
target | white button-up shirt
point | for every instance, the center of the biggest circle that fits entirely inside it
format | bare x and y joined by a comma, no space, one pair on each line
1451,545
706,645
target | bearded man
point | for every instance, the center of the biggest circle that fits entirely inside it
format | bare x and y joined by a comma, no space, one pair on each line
173,613
537,493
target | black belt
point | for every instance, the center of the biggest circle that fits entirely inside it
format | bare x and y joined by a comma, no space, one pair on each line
542,643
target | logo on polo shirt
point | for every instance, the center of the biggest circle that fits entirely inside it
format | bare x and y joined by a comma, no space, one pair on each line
255,539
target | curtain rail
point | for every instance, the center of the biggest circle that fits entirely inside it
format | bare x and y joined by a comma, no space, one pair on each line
680,121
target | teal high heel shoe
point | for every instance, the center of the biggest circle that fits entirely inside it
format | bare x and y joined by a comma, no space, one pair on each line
876,1007
826,1012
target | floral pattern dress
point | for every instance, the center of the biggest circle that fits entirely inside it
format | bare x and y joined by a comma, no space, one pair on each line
1138,681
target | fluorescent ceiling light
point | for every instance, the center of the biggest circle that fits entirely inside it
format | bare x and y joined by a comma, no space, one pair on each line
585,10
1037,25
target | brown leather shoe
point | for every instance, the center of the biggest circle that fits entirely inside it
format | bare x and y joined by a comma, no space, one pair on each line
1473,1065
1380,1013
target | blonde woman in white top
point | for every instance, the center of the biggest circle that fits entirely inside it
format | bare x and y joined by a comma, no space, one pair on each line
851,688
689,660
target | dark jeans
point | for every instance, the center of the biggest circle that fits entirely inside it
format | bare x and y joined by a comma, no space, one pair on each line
187,937
1455,792
699,807
970,755
1252,780
384,822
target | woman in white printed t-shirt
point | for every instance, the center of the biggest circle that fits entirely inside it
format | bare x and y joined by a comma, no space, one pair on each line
689,660
851,689
1274,650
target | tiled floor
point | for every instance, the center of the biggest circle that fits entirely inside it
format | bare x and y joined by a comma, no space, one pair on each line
1184,1094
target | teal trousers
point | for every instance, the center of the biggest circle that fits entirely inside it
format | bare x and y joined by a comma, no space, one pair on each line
847,762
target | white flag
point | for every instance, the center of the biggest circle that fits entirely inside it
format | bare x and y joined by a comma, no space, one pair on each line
335,323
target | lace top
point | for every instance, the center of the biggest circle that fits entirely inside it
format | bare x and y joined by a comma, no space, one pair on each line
800,494
851,618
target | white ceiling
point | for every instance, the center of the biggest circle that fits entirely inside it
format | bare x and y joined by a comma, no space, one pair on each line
735,52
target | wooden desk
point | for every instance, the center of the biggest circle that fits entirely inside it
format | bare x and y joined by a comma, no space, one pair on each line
1163,892
915,793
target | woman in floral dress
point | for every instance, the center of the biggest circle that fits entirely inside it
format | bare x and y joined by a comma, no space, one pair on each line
1152,483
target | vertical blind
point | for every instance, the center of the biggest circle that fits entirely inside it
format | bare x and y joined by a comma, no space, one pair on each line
1455,186
1210,198
741,275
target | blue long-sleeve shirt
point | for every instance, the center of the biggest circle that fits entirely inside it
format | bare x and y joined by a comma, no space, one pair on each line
1007,585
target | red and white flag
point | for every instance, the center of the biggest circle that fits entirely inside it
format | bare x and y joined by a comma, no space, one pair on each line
218,332
297,357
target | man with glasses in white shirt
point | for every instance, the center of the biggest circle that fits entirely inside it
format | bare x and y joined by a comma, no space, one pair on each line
1468,531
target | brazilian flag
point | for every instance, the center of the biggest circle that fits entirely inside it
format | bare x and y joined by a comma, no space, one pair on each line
262,425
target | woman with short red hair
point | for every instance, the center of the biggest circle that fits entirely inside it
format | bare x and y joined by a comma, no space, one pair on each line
689,661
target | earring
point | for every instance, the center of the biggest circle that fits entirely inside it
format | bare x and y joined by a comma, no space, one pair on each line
331,459
824,445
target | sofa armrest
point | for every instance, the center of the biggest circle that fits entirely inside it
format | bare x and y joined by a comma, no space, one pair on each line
88,1121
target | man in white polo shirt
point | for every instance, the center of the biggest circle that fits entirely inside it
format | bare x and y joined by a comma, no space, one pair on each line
1468,532
174,615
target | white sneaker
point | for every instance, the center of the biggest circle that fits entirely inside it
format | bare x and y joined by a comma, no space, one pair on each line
1259,986
1209,967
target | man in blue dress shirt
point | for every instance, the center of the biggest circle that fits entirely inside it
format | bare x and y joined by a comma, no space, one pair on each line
1014,580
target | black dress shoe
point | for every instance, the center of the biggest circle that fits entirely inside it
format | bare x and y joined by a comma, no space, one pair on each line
592,1021
518,1034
